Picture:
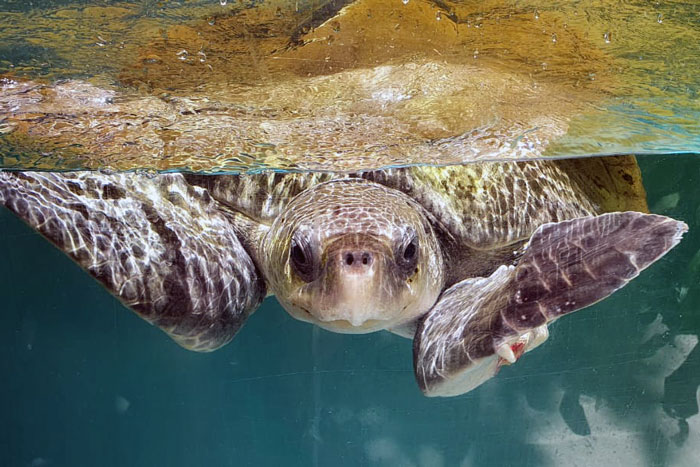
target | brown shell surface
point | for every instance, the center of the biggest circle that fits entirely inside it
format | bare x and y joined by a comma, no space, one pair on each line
481,205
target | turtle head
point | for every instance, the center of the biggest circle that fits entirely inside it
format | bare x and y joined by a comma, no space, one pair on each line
353,256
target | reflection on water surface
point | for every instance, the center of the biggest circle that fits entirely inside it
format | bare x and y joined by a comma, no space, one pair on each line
343,85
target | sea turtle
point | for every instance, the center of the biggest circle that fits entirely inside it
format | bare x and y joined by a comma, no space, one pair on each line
472,261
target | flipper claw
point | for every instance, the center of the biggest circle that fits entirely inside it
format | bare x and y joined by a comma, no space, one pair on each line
506,353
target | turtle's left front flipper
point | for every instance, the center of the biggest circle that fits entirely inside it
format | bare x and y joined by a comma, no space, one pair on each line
479,324
160,245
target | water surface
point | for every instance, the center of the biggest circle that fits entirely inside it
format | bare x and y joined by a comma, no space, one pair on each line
329,85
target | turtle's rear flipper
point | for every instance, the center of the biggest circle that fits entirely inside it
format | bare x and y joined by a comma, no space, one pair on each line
566,266
158,244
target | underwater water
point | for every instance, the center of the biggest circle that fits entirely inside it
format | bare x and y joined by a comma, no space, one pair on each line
86,382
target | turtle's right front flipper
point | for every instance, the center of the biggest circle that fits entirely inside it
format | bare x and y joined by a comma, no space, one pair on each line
566,266
158,244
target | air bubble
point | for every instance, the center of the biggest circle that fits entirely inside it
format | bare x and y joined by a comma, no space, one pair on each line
223,2
405,2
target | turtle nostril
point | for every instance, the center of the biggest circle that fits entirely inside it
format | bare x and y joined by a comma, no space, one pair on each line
357,259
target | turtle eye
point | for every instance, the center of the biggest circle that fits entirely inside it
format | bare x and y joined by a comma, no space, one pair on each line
301,259
407,255
411,251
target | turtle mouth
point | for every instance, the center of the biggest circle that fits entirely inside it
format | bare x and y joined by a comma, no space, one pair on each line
346,327
340,325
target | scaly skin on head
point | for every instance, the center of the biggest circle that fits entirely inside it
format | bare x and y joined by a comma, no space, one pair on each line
353,256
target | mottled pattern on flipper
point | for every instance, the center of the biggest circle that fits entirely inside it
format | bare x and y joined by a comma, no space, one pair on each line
573,264
566,266
458,328
160,245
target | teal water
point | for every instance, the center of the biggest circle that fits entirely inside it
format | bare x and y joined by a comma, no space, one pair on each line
85,382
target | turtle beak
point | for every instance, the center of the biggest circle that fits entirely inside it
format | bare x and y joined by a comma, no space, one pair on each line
354,283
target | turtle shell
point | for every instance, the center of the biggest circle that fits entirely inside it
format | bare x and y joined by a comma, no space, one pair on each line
344,86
